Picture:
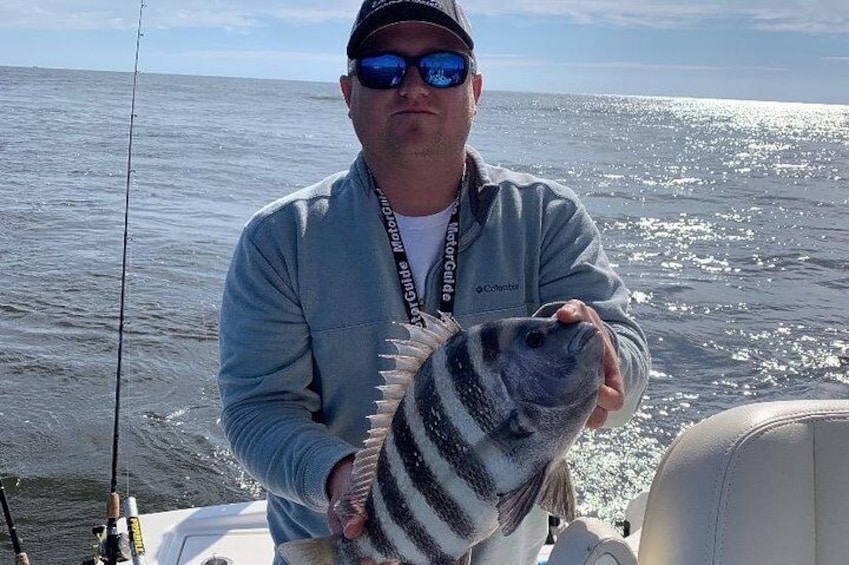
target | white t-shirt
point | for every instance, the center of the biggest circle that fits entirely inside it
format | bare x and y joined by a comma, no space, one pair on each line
424,242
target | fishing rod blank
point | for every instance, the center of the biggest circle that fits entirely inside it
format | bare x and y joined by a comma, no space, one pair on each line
21,557
114,546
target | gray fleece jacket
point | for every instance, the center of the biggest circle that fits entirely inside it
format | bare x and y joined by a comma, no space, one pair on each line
312,294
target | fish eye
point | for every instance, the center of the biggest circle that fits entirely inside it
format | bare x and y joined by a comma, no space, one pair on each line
535,339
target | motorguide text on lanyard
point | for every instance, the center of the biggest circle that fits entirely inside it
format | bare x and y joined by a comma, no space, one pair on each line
412,302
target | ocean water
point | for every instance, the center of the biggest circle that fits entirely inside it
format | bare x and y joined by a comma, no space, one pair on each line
727,220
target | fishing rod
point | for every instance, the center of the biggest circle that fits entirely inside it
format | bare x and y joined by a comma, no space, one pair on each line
20,555
113,546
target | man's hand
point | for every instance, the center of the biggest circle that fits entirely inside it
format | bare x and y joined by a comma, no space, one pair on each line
611,397
337,485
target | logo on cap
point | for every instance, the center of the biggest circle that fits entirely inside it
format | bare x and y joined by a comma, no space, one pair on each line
433,3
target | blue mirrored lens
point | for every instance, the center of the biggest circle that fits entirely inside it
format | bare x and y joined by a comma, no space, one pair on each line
441,69
382,71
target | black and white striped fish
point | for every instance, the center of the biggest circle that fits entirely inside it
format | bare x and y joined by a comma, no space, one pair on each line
469,435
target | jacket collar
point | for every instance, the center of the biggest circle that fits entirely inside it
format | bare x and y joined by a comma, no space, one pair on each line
478,191
481,189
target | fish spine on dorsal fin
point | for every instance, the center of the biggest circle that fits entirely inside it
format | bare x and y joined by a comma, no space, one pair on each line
396,377
407,348
443,324
392,392
406,364
410,355
437,330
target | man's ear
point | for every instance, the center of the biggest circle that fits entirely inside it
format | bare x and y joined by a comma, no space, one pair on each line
345,86
477,87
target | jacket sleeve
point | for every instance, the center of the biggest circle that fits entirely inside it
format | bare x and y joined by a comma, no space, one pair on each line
266,380
573,265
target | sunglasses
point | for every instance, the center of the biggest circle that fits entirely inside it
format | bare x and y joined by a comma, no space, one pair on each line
439,69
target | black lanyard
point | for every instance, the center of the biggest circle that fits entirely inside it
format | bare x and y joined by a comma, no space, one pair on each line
412,302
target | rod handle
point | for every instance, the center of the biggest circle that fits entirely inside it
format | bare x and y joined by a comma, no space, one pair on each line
113,506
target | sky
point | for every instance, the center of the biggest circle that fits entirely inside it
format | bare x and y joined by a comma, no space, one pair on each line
777,50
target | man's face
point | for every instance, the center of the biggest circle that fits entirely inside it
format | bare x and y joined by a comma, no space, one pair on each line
414,120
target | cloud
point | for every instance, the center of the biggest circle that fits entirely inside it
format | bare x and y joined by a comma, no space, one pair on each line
57,15
251,13
260,55
808,16
664,67
518,61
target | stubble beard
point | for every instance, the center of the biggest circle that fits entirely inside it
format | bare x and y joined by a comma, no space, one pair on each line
417,143
400,147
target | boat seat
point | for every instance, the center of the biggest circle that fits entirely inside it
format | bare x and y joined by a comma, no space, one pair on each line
761,484
588,541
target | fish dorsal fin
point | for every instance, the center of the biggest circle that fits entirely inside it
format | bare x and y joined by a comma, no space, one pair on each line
515,505
410,355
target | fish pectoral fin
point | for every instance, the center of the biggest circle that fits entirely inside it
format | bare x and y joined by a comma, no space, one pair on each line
515,505
318,551
558,491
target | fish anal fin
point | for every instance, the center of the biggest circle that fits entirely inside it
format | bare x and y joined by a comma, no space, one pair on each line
318,551
558,491
466,559
515,505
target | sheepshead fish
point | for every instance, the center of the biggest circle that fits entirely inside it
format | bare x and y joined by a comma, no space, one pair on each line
469,435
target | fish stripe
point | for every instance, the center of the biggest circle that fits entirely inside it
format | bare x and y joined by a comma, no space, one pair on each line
448,439
403,517
490,343
405,549
468,386
451,513
376,533
450,481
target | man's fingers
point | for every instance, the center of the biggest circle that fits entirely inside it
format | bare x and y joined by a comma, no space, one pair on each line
597,418
353,527
610,398
333,523
571,312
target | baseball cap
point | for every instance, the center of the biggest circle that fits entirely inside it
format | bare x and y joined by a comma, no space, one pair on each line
377,14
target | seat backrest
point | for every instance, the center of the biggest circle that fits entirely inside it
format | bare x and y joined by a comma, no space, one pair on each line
763,484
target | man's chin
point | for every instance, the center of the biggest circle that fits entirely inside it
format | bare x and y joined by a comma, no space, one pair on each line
422,149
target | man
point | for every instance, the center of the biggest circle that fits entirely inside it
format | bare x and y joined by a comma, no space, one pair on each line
319,277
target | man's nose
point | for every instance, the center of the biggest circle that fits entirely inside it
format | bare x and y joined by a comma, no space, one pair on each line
413,84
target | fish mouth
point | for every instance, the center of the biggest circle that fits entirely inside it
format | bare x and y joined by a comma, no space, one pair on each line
586,335
591,339
586,348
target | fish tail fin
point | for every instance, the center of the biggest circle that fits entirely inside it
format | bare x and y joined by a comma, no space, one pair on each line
318,551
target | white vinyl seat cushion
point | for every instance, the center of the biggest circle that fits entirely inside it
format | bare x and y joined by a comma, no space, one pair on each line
760,484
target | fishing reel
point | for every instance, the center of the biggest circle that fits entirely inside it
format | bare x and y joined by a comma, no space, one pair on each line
118,547
110,548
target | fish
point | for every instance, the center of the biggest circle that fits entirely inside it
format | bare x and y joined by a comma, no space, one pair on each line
470,432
